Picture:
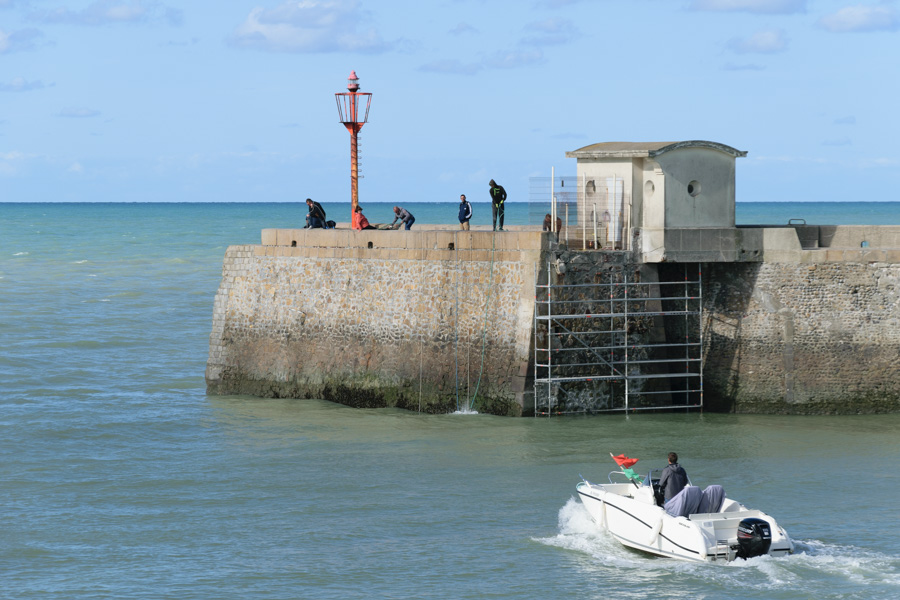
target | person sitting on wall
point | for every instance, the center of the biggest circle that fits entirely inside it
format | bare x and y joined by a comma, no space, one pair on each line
315,218
360,221
548,220
405,217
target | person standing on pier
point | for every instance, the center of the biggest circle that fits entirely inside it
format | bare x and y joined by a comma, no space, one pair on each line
405,217
465,213
498,198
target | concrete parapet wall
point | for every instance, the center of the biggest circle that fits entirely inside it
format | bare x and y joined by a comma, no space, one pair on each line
787,243
407,322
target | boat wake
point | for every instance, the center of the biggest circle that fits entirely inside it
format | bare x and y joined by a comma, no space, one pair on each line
818,569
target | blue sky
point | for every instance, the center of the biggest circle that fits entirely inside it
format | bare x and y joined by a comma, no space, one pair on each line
233,100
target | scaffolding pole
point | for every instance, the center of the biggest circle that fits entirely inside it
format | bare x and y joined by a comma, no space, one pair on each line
651,372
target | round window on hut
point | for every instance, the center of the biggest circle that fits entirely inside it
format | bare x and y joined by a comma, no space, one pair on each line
694,188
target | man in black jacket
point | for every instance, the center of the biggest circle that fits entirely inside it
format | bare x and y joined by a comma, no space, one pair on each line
498,198
673,478
316,215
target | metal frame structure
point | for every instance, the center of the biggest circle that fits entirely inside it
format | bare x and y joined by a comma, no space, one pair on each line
596,335
586,220
348,105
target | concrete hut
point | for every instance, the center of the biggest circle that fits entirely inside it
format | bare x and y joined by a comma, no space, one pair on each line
661,191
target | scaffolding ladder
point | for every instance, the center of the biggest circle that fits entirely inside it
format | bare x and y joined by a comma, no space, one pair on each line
618,343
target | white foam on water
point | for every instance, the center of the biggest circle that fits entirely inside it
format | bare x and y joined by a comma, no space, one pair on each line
21,254
579,532
851,563
465,411
815,567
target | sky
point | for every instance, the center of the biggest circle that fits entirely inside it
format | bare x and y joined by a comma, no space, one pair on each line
233,100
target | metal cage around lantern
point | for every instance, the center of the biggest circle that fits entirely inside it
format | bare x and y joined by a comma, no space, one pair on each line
348,105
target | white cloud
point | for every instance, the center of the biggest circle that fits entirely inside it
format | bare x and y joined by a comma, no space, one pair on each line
550,31
744,67
13,41
451,66
862,18
78,112
75,167
770,7
462,28
513,59
557,3
769,41
19,84
103,12
308,26
11,162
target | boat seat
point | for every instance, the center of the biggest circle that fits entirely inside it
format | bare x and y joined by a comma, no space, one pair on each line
712,499
684,502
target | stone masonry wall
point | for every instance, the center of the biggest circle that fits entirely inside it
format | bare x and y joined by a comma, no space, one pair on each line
428,321
375,327
816,338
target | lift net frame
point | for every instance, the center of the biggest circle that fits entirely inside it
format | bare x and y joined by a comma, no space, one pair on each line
619,343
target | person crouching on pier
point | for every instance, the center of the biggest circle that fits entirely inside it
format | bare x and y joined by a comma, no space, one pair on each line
405,217
316,215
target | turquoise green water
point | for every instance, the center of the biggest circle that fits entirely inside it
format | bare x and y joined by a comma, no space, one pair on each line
122,479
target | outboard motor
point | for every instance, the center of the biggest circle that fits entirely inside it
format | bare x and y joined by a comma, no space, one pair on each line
754,538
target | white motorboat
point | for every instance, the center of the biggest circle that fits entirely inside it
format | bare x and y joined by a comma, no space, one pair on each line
727,529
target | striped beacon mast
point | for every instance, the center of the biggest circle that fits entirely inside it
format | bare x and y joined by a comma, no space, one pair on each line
348,104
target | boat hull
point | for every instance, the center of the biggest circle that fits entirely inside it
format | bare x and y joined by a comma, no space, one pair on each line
632,517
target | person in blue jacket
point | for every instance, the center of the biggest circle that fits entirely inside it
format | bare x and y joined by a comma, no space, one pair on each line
498,198
465,213
404,216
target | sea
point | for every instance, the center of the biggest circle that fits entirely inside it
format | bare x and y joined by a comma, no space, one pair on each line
120,478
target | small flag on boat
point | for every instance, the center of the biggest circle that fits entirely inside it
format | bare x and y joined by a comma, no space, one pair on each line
625,464
623,461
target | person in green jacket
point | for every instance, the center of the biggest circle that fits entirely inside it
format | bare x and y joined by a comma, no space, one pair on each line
498,198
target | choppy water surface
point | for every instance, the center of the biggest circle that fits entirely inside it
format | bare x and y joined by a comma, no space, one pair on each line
122,479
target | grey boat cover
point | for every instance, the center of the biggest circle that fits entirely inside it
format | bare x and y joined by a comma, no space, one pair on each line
685,502
691,500
712,499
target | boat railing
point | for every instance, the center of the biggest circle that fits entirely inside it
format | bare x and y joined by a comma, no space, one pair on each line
611,473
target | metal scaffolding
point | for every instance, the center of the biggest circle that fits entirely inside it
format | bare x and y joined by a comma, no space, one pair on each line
618,343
